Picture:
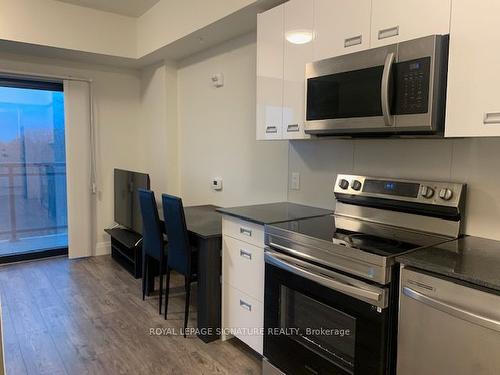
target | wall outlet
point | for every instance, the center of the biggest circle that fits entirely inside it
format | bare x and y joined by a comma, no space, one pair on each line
217,184
295,183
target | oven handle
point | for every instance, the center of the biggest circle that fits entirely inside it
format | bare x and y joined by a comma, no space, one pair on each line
386,75
326,278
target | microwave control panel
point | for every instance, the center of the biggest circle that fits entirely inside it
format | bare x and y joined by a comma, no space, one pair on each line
412,86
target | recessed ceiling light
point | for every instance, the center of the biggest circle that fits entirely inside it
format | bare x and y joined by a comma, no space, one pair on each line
299,36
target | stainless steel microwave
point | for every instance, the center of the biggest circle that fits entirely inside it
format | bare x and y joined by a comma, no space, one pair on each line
399,89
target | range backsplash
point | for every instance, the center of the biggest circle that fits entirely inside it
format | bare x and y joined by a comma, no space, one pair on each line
474,161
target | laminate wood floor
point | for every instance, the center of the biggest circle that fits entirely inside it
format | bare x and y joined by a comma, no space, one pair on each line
87,316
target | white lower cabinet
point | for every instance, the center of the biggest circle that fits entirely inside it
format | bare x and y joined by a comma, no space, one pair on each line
243,267
243,281
244,315
244,231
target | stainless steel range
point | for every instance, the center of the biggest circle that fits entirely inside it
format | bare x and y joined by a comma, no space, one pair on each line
331,282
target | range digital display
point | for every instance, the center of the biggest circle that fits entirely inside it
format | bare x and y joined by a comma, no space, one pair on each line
390,186
402,189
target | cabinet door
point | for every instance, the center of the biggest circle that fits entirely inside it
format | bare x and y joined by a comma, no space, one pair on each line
397,20
270,74
473,99
298,32
341,27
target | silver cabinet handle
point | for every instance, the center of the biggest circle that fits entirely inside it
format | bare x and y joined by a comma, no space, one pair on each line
353,41
246,232
330,279
293,128
245,254
491,118
389,32
245,305
386,106
453,310
271,129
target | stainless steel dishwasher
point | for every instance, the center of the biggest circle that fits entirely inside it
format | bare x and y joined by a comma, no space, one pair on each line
446,328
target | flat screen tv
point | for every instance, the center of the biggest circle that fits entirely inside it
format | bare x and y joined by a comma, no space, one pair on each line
127,208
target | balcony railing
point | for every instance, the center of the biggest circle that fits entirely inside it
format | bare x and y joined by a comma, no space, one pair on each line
43,186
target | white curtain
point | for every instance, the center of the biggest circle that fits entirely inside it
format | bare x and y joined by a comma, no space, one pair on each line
80,171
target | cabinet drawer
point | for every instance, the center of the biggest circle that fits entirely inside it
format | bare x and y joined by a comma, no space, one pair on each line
245,316
243,267
243,230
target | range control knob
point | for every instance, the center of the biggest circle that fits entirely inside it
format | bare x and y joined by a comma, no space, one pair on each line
343,184
356,185
427,192
445,194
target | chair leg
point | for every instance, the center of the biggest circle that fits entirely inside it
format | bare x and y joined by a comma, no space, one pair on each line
186,309
144,276
167,288
162,265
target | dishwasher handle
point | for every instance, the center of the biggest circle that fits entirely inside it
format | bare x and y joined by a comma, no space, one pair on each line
455,311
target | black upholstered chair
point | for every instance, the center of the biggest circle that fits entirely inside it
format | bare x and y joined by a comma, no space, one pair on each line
153,243
181,256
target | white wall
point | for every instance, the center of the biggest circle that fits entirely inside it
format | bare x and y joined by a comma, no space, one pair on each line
62,25
159,124
117,95
172,124
170,20
57,24
473,161
217,131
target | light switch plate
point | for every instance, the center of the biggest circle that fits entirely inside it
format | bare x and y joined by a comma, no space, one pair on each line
295,183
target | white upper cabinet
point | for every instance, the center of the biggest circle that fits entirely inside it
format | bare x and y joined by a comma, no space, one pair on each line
398,20
341,27
298,47
270,74
473,98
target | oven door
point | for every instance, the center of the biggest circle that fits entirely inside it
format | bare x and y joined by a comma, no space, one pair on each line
321,322
351,93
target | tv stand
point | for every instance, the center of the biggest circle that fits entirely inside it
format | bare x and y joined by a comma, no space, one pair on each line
126,249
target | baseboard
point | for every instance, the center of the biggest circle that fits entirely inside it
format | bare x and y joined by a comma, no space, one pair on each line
102,248
33,255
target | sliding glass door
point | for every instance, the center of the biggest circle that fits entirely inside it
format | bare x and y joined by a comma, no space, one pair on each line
33,209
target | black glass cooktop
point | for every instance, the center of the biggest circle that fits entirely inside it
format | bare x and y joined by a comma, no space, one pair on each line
352,233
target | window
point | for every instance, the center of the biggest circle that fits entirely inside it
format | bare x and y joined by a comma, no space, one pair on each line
33,214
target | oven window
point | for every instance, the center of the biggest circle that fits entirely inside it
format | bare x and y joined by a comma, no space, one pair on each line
344,95
321,328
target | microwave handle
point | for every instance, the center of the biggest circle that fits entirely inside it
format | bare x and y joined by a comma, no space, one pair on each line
386,106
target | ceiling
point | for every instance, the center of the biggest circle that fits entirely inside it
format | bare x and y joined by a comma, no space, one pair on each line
131,8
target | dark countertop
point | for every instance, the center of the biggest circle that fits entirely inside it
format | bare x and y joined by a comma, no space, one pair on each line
272,213
202,221
472,259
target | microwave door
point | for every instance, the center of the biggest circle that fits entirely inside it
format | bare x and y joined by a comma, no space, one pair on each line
346,94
